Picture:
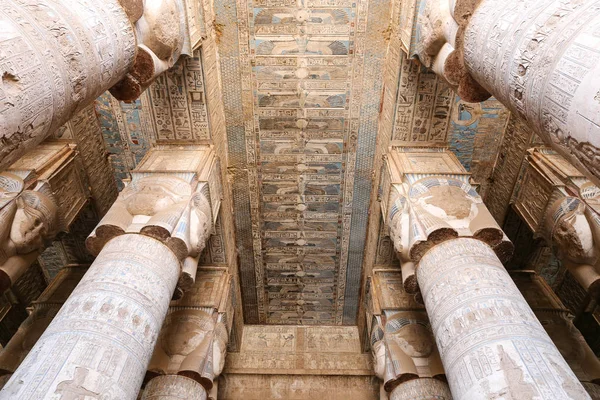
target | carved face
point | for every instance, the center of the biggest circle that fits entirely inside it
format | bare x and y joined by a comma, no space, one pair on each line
151,196
414,340
181,334
33,223
160,27
574,237
378,350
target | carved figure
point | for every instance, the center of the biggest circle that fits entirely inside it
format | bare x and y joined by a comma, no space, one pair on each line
163,207
440,29
191,344
28,221
575,231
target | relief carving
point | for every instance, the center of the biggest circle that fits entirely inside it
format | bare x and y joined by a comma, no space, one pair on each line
561,205
192,344
162,37
175,208
29,220
557,321
193,339
430,199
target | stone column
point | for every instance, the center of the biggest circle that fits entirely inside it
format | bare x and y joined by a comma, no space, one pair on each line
557,321
101,341
490,341
173,387
538,57
42,312
57,56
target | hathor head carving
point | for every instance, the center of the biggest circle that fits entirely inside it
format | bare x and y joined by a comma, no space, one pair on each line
35,221
29,218
151,195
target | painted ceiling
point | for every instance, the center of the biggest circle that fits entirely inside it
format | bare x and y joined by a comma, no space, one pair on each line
302,89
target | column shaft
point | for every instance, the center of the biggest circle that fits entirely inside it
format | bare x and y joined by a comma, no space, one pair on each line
173,387
421,389
490,341
56,56
541,59
102,339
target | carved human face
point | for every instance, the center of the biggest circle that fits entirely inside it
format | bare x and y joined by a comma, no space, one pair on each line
151,195
31,224
181,337
27,232
414,340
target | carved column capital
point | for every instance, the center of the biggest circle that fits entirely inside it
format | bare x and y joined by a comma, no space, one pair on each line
402,342
193,339
430,198
174,197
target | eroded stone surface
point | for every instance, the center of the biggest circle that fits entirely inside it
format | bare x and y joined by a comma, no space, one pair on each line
57,56
422,389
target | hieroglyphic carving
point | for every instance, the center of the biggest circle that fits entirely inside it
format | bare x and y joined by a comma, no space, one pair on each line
102,339
303,81
57,56
481,356
556,320
423,105
146,244
299,351
298,387
41,314
85,130
517,139
545,71
177,100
